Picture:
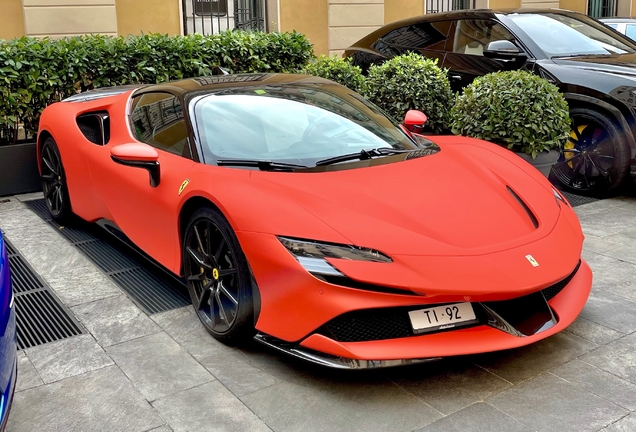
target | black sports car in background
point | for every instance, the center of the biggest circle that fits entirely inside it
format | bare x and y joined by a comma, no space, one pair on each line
593,65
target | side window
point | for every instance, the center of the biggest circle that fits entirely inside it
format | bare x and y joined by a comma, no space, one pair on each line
421,36
472,36
630,31
157,120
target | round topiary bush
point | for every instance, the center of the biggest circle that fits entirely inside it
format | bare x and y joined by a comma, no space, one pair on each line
337,69
515,109
411,81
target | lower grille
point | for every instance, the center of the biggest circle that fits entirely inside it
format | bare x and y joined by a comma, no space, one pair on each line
550,292
394,323
368,325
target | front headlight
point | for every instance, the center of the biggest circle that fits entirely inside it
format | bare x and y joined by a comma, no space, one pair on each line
311,254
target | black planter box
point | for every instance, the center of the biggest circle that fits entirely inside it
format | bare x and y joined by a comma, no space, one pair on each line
19,169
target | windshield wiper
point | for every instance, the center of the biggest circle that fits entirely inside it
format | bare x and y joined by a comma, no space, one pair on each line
565,56
263,165
361,155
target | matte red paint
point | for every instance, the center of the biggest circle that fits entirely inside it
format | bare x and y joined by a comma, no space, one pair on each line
447,220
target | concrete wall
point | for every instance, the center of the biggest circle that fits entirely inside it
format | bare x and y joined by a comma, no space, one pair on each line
542,4
574,5
11,19
148,16
350,20
59,18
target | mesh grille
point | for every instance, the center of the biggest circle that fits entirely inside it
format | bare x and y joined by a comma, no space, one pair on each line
550,292
368,325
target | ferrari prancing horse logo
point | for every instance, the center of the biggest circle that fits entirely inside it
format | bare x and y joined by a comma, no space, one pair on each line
532,261
183,186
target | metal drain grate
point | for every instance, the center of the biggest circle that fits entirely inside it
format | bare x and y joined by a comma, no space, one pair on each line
153,289
577,200
40,316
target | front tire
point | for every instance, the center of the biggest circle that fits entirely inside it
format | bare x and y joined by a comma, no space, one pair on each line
218,277
595,159
54,184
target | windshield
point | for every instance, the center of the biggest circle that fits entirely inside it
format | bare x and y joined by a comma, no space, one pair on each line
562,35
296,124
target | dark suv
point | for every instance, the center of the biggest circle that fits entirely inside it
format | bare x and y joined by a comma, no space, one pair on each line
593,65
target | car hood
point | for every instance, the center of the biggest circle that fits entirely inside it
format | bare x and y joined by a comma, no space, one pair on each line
622,64
464,200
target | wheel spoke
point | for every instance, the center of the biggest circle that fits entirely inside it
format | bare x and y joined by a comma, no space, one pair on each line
196,232
603,172
219,250
49,165
50,191
208,249
200,260
222,314
227,294
577,133
227,272
572,158
198,277
205,296
602,156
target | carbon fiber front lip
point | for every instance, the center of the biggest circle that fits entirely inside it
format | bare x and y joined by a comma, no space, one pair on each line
331,361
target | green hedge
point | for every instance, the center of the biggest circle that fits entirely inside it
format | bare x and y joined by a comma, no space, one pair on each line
515,109
37,72
339,70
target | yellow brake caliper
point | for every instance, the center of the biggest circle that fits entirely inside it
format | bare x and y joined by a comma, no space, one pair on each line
571,144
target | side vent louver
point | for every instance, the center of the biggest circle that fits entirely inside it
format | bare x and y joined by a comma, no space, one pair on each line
95,127
531,215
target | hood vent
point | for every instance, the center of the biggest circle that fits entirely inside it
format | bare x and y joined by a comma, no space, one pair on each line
531,215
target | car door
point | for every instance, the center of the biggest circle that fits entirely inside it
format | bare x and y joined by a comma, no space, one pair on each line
149,215
428,38
464,50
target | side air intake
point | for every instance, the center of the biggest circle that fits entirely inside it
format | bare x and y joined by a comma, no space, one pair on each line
521,202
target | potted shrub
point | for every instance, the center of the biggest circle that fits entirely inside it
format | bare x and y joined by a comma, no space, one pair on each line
411,82
518,110
337,69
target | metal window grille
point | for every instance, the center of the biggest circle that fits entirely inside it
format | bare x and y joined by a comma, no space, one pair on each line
208,17
602,8
435,6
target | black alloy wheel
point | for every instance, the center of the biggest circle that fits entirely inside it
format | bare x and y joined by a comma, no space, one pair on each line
54,182
595,159
218,277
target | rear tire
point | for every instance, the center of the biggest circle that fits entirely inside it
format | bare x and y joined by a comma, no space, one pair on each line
595,160
218,277
54,184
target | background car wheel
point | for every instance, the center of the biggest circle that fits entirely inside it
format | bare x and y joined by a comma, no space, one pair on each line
595,159
218,277
54,182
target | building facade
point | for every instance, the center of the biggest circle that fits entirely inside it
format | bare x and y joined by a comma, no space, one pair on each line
331,25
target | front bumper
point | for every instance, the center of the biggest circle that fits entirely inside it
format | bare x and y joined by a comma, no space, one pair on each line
320,349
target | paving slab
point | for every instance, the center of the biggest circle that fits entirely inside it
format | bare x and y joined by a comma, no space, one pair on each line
610,310
592,331
617,357
95,401
549,403
599,382
114,320
208,408
626,424
449,385
28,377
523,363
68,357
158,366
351,402
81,284
619,279
480,417
602,222
236,375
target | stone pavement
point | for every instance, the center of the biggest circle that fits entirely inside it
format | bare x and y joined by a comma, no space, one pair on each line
134,372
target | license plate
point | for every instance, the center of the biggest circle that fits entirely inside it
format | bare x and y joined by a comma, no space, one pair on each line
442,317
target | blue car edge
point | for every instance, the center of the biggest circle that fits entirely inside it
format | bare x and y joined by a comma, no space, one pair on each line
8,353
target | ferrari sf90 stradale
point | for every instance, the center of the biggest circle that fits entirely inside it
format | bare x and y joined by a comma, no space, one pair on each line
301,215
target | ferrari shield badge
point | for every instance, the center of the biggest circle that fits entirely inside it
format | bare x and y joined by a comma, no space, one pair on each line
183,186
532,261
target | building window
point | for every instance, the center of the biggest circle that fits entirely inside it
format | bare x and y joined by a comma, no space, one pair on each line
601,8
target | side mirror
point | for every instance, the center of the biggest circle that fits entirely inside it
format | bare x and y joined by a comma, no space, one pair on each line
414,120
138,156
503,50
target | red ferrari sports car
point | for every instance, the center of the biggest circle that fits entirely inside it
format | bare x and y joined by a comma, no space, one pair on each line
301,215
